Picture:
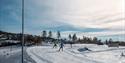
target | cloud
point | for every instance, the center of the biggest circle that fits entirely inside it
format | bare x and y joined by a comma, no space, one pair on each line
84,13
94,17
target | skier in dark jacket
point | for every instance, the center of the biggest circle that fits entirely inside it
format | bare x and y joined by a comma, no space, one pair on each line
61,46
55,44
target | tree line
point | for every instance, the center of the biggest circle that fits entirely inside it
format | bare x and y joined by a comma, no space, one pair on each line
84,40
49,37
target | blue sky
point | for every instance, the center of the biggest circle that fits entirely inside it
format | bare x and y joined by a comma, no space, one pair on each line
100,18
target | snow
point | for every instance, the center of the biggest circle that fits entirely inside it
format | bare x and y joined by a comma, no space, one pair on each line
10,50
12,54
98,54
12,41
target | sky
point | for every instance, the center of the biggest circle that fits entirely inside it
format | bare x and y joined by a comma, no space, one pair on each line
93,18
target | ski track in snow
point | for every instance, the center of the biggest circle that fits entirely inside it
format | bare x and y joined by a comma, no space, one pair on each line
46,54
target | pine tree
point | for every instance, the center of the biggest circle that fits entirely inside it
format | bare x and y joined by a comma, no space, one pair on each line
84,39
106,42
110,41
44,34
70,37
95,40
50,34
58,35
74,38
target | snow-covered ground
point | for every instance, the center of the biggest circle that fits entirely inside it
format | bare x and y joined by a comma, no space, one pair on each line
77,54
12,54
9,50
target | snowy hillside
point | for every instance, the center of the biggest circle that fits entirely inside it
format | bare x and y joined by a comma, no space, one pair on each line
77,54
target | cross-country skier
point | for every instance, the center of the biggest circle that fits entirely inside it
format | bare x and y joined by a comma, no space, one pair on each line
61,46
71,43
55,44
